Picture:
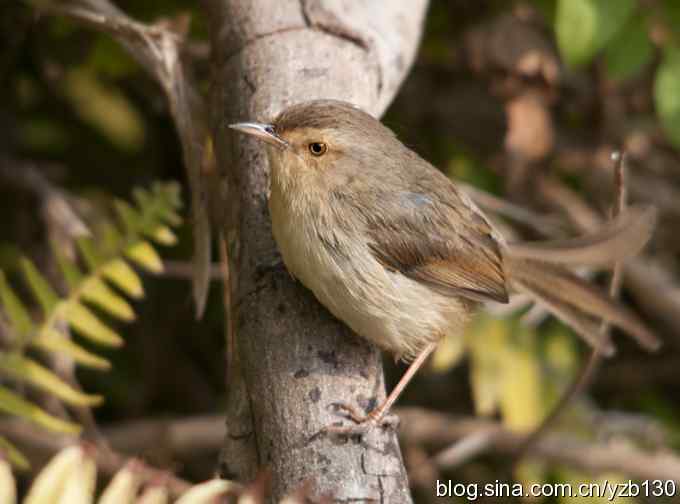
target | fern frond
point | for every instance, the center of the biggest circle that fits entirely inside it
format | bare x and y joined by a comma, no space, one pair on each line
108,276
71,477
14,456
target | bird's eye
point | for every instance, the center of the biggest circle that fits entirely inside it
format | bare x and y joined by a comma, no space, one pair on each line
317,148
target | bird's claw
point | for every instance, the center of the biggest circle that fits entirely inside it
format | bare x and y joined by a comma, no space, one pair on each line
363,423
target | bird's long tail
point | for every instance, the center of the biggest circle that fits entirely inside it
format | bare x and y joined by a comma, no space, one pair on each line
538,270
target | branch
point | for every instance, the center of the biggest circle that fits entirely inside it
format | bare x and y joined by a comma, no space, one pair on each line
157,48
296,358
43,444
420,426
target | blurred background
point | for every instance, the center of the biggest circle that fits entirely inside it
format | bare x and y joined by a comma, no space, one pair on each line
526,100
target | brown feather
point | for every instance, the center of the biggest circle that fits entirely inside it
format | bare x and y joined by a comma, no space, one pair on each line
424,244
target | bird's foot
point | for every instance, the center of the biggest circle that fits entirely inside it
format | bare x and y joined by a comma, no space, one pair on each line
363,423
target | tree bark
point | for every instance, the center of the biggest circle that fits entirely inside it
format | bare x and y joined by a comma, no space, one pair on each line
297,360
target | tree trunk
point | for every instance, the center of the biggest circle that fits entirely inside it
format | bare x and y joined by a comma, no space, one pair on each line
297,360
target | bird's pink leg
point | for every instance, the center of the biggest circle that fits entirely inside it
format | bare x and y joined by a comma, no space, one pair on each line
377,416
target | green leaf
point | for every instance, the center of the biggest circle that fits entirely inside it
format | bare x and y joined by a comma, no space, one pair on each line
87,324
105,108
142,198
667,94
53,341
146,256
15,457
15,310
24,369
40,287
546,8
123,276
96,291
129,215
670,10
15,405
584,27
89,252
630,50
69,270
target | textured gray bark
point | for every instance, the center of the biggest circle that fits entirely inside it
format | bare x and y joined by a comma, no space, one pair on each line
297,360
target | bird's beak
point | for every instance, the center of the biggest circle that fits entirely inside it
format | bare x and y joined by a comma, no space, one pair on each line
264,132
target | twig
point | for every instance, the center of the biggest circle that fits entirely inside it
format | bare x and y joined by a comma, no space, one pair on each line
465,449
585,376
57,210
546,225
187,437
654,288
185,270
421,426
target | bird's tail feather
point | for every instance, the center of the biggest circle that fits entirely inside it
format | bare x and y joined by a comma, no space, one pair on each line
617,240
576,302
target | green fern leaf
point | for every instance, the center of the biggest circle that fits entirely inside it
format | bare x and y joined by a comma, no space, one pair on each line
15,405
87,248
128,215
69,270
124,277
97,292
21,368
142,197
15,457
14,308
40,287
90,326
106,257
164,236
145,256
52,341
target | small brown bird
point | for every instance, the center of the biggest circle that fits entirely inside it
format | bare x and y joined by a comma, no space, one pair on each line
395,250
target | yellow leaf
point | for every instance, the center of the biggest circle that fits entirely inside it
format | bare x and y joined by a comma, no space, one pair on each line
87,324
53,341
49,485
124,277
154,495
448,354
487,340
522,401
207,492
164,236
146,256
16,405
80,486
96,291
14,456
8,488
123,487
22,368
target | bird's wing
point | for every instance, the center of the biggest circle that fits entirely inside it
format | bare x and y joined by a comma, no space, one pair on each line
438,237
